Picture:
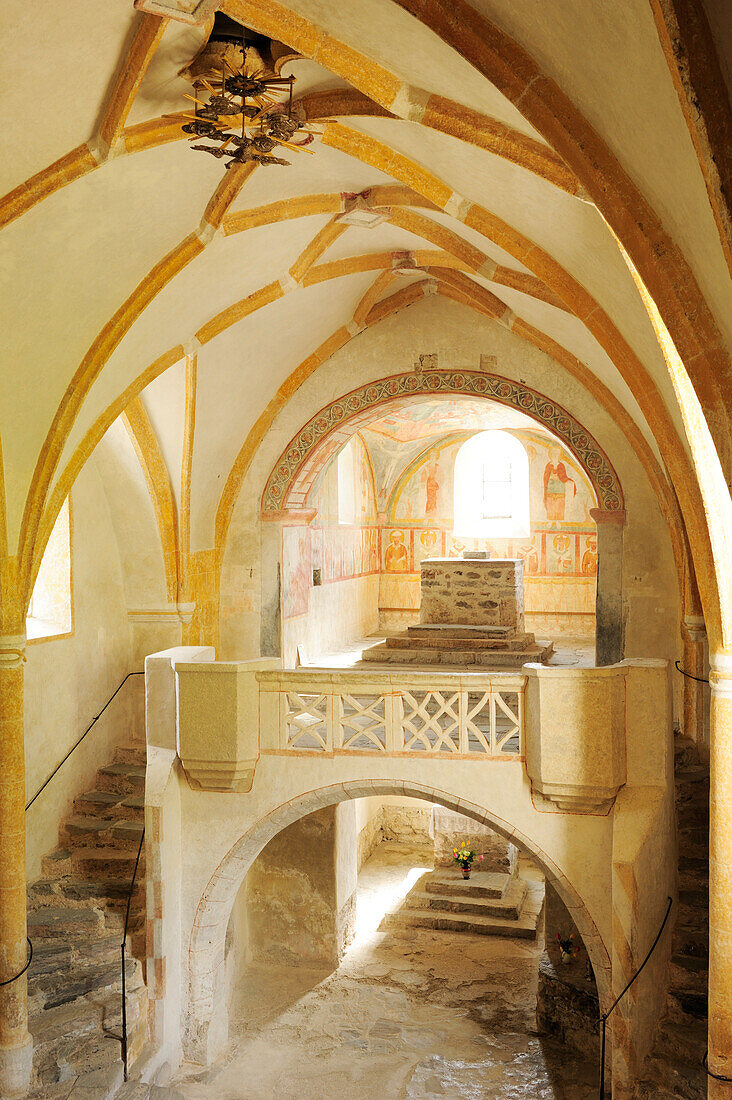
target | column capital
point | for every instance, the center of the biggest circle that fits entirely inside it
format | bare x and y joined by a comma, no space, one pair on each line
12,650
720,674
602,515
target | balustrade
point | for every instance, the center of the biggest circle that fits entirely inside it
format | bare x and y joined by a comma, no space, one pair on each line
321,712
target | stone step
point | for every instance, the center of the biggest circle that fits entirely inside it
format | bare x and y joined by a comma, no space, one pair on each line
682,1042
668,1079
459,642
56,863
693,874
497,659
125,779
693,774
132,808
107,863
481,884
126,834
685,1005
686,753
509,906
97,803
460,922
688,974
691,941
135,752
83,830
48,921
51,990
454,630
108,893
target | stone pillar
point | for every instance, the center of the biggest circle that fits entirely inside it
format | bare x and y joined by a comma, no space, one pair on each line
694,635
720,876
16,1045
609,601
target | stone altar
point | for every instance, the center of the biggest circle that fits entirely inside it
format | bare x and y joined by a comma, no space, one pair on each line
471,614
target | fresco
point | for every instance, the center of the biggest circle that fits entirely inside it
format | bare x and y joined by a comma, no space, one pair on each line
296,571
560,491
400,497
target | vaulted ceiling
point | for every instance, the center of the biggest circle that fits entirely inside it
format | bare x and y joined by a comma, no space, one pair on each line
538,158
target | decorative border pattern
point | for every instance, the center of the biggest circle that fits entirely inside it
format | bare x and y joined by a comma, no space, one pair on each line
301,449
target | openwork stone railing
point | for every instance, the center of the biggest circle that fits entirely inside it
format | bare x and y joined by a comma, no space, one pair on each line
577,731
323,712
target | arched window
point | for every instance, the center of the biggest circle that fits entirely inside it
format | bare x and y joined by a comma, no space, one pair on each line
491,490
347,484
49,611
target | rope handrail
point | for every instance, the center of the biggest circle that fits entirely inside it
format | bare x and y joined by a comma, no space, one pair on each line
77,743
618,999
688,675
122,1038
29,960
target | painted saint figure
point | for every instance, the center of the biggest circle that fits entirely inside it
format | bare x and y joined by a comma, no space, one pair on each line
432,487
396,558
555,485
589,558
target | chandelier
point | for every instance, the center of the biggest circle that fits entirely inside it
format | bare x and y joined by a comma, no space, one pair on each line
241,107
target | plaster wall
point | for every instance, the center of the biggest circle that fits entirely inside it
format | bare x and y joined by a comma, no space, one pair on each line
68,679
293,892
337,614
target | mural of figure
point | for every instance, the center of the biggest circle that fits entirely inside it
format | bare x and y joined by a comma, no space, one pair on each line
396,558
531,559
562,544
556,480
432,486
589,558
429,541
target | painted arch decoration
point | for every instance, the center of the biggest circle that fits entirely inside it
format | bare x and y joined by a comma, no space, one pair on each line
292,476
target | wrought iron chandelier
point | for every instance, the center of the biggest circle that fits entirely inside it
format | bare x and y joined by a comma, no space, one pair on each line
240,105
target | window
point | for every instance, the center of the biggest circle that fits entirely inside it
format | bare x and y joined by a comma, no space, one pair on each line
49,612
491,488
347,484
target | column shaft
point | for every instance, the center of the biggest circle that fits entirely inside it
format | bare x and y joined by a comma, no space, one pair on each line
609,601
15,1042
720,877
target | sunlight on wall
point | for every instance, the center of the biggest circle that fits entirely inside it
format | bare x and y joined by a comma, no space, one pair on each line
346,485
49,612
492,487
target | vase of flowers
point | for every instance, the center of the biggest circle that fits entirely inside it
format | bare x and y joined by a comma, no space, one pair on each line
464,857
568,950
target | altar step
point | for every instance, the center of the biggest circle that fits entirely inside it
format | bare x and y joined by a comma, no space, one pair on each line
485,905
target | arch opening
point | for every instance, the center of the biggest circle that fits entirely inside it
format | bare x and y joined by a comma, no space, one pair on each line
206,1025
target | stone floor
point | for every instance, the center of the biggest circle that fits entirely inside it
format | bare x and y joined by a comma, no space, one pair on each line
417,1015
569,652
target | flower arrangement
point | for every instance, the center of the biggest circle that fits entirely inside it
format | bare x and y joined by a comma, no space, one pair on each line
464,857
567,948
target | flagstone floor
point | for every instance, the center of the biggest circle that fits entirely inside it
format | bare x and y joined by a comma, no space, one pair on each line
415,1014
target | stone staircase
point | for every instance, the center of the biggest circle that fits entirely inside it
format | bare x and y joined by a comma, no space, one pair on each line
674,1068
486,904
76,916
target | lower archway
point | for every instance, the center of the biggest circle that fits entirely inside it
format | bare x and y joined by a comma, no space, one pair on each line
205,1029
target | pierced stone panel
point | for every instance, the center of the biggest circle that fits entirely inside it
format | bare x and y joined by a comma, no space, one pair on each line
306,725
431,721
507,729
479,721
362,722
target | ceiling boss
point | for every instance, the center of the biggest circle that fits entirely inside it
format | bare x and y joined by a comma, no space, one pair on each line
241,106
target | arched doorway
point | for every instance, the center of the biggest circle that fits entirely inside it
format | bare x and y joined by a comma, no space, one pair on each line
205,1027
